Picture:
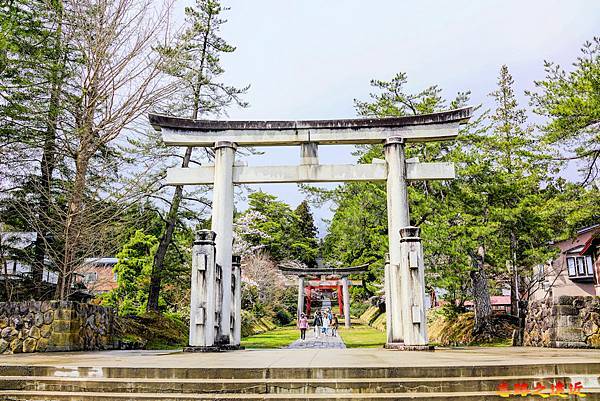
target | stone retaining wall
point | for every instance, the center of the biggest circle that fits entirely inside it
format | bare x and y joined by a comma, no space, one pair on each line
569,322
44,326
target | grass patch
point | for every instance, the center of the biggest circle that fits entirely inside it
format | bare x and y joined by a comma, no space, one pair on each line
362,336
278,338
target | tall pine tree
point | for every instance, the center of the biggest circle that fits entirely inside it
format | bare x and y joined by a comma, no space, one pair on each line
307,228
571,102
195,62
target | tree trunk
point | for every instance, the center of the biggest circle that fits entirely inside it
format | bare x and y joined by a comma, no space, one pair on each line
7,291
165,240
481,294
72,230
514,276
48,161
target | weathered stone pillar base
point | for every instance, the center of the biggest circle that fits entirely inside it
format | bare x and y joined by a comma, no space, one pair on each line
231,347
214,348
404,347
211,348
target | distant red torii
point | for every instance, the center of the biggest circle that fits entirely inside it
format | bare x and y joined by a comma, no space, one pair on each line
325,278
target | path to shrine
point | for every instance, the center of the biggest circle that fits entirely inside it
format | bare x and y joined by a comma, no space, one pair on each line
323,341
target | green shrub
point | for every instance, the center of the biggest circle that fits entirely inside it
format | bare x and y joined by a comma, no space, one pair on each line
282,316
358,308
249,321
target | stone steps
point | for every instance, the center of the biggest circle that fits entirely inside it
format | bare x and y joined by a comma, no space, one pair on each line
373,383
84,396
475,371
278,386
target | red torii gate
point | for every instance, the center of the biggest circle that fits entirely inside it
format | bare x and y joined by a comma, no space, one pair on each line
308,295
340,284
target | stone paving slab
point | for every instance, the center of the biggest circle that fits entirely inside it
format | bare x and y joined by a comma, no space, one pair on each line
317,357
321,342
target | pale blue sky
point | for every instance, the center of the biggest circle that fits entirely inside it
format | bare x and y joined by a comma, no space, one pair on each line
308,59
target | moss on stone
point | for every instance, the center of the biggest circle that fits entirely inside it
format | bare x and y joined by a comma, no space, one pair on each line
42,345
46,330
4,345
29,345
594,340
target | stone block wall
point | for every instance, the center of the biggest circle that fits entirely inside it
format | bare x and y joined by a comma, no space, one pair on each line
568,322
44,326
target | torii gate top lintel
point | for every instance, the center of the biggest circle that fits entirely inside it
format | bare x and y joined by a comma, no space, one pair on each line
456,115
325,271
425,127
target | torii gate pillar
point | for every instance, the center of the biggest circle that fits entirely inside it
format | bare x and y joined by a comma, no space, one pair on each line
222,225
346,304
300,308
405,317
398,217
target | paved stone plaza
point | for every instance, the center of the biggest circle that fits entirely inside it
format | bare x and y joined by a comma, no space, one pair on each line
321,342
354,357
471,374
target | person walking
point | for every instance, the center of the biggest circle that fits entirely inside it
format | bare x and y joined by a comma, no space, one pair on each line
303,325
318,322
325,323
334,325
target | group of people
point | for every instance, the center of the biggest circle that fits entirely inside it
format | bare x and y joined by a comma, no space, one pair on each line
325,322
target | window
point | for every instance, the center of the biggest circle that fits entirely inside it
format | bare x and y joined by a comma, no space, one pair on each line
90,277
580,266
571,267
590,265
539,273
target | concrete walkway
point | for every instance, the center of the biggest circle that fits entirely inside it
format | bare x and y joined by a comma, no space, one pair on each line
321,342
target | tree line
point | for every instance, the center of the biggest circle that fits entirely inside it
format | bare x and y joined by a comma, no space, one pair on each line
488,228
80,168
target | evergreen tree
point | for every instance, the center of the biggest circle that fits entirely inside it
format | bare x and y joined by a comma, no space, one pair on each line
358,231
279,230
195,62
32,72
307,228
467,223
521,171
571,102
133,274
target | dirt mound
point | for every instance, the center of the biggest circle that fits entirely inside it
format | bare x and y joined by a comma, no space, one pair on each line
451,330
150,331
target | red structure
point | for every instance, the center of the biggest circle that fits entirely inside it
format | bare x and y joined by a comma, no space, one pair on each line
324,279
308,295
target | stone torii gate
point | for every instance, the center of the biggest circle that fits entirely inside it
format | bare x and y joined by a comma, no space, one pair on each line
405,289
343,284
